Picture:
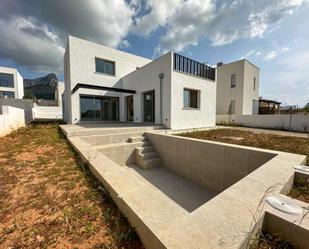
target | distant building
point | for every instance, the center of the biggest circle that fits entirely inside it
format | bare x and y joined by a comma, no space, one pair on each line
11,83
267,106
237,88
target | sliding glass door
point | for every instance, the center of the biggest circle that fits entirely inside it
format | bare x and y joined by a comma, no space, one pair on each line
99,108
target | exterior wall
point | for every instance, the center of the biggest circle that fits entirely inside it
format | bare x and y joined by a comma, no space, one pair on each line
225,94
11,118
80,62
146,79
205,115
18,82
295,122
19,87
250,94
67,103
60,91
243,93
25,104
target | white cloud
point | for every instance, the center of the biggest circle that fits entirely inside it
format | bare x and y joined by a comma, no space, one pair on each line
222,23
33,33
275,53
31,44
290,82
249,54
159,12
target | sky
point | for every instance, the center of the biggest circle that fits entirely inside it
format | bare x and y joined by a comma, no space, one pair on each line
272,34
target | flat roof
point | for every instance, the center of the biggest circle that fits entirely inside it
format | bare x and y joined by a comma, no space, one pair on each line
269,101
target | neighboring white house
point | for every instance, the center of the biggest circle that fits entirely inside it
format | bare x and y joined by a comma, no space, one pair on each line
238,88
11,83
105,84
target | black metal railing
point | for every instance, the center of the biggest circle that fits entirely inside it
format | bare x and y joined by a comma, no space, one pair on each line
186,65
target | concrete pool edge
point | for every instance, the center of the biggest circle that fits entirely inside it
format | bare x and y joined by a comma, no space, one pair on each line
209,226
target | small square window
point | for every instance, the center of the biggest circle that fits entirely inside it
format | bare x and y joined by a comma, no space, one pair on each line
233,80
191,98
104,66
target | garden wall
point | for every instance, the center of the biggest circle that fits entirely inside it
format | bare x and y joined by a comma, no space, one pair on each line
47,112
215,165
11,118
294,122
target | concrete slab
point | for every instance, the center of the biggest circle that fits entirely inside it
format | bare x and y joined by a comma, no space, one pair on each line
173,211
105,128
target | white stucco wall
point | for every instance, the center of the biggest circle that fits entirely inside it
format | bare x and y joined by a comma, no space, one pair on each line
146,79
60,91
18,82
243,93
225,94
249,94
47,112
296,122
80,62
67,103
11,118
205,115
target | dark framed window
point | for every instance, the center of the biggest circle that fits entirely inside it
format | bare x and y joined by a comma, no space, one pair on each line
5,94
104,66
233,80
254,83
99,108
191,98
6,80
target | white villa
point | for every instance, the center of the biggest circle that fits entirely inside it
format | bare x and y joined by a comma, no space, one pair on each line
238,88
105,84
11,83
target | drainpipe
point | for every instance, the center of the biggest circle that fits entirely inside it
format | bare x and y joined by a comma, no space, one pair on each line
161,76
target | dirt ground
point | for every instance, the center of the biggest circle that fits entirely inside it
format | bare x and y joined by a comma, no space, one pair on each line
262,140
48,199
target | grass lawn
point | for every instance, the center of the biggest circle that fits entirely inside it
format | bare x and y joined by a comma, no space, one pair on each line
49,199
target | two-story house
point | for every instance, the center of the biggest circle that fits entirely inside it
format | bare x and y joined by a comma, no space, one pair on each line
105,84
238,88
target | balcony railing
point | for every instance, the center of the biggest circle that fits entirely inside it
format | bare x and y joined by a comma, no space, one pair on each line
186,65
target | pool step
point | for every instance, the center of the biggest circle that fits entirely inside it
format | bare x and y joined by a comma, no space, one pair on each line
137,139
145,155
146,148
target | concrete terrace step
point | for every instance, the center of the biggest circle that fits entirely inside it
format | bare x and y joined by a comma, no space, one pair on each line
101,129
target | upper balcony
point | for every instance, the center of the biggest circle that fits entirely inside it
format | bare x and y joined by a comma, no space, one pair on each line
186,65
